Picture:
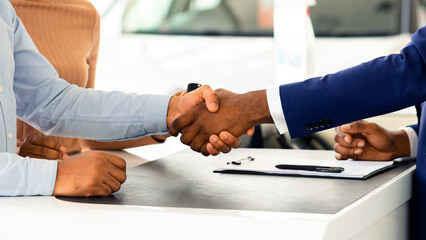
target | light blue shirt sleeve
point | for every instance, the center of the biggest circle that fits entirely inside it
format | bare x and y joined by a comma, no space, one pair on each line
31,90
55,107
26,176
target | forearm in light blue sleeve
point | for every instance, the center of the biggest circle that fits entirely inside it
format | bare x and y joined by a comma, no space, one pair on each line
26,176
91,114
55,107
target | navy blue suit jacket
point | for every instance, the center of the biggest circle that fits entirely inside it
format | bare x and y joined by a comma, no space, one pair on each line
380,86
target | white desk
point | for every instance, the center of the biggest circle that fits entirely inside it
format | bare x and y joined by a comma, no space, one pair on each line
381,214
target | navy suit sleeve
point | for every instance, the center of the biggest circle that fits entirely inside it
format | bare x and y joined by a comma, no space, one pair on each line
380,86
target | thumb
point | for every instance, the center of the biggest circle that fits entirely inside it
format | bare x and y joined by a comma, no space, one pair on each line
207,94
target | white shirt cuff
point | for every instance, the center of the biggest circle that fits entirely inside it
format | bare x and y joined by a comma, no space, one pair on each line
412,137
276,110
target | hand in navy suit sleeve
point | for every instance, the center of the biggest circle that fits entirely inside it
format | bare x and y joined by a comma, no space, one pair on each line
368,141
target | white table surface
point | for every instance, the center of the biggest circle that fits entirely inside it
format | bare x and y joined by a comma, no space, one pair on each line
50,218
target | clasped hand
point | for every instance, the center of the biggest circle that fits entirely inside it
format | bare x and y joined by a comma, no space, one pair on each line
363,140
210,132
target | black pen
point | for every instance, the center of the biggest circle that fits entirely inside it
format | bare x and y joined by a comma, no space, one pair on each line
310,168
192,86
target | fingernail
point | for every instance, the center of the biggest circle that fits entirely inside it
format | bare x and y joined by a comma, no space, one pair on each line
224,137
213,106
357,152
346,127
347,140
361,144
63,149
65,157
338,156
213,139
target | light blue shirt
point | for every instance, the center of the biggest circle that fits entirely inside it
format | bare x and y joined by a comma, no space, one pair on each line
31,90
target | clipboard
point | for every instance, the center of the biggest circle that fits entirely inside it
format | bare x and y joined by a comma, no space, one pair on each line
353,169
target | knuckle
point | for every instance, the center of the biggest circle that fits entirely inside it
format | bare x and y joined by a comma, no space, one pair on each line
96,192
174,126
44,151
336,138
213,94
336,147
194,147
230,141
98,163
218,144
206,87
235,144
185,140
117,188
213,153
226,150
121,178
92,182
222,147
106,192
206,154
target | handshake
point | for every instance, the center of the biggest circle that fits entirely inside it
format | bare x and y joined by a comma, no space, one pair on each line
215,125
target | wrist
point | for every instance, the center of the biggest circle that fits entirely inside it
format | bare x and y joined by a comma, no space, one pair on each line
171,111
257,107
57,188
401,144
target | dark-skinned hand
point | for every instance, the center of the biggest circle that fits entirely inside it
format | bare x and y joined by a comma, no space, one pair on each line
42,147
90,174
237,114
368,141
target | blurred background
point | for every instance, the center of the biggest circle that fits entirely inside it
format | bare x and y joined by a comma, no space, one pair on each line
158,46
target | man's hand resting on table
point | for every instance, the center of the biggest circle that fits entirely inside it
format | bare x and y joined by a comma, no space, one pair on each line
90,174
43,148
368,141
